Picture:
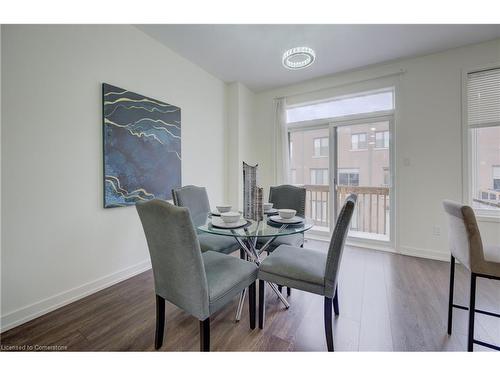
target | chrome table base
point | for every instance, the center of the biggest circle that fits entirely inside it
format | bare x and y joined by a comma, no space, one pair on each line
249,245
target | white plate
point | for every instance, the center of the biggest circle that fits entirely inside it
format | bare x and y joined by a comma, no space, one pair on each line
293,220
218,223
217,213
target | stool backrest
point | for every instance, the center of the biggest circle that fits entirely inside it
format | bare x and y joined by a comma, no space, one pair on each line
463,234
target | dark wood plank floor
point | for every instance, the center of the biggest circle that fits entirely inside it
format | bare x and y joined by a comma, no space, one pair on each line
387,303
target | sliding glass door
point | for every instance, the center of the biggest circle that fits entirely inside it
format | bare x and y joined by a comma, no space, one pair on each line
363,166
337,159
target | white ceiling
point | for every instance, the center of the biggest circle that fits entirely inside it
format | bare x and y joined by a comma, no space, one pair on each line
252,54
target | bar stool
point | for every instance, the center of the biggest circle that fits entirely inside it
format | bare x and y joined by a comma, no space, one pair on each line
481,261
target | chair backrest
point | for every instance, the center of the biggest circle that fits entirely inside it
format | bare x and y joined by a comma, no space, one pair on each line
288,196
463,234
195,198
179,273
337,244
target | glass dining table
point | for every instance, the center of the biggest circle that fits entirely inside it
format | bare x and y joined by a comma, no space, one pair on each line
248,238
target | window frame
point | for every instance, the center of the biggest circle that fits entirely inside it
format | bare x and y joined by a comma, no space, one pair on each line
386,173
390,81
347,171
385,140
322,177
482,214
357,143
355,92
321,147
493,178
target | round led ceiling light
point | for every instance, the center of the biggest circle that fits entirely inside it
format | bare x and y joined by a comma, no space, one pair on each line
298,58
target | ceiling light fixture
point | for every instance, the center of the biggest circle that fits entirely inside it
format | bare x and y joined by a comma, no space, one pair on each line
298,58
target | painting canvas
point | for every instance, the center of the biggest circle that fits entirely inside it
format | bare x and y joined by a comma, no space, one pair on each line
142,147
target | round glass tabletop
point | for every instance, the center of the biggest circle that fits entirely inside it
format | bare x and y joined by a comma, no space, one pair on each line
258,229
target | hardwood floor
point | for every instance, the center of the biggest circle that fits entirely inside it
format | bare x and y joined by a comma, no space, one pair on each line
387,302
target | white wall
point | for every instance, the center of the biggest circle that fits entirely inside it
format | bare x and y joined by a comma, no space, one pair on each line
58,242
428,134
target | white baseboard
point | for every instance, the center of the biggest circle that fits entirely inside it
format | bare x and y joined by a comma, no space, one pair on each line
27,313
403,250
425,253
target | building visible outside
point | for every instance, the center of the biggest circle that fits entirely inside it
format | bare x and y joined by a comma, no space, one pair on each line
486,167
363,167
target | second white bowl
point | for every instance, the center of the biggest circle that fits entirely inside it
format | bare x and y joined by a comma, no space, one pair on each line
286,213
267,206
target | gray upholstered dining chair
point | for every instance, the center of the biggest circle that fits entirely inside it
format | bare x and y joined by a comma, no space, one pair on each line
310,270
293,197
195,198
198,283
480,260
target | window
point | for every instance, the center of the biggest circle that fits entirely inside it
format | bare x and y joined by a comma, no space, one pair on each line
293,176
366,102
386,176
496,177
319,176
483,120
358,141
348,177
382,139
320,147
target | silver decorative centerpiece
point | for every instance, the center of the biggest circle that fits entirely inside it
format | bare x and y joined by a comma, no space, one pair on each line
252,195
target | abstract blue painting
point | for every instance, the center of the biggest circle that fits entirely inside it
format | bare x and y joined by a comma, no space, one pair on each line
142,147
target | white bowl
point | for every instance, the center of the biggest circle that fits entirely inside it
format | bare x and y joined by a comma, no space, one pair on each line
267,206
286,213
223,208
230,217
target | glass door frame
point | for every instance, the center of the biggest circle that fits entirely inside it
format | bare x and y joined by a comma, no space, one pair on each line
360,120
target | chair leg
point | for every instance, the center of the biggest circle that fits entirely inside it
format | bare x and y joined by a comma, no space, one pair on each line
328,324
288,291
450,300
205,335
472,307
252,304
262,303
160,321
242,254
280,288
336,300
